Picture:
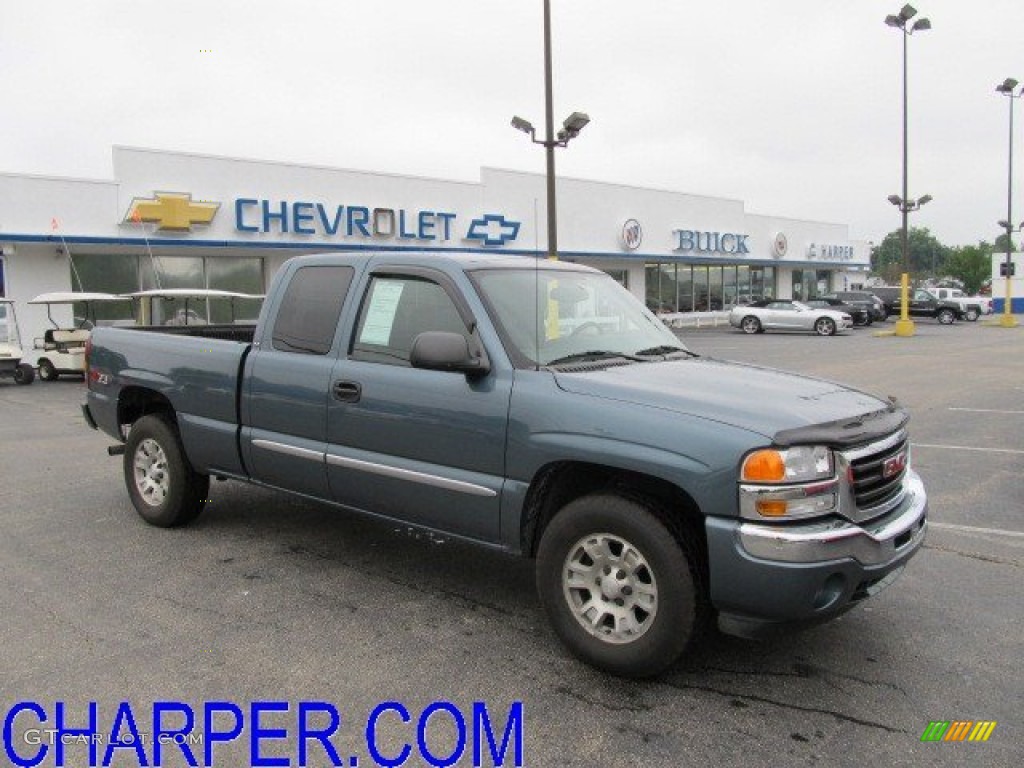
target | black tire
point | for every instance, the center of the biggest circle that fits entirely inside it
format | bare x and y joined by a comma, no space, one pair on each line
945,316
661,595
46,370
825,326
24,374
164,489
972,314
751,324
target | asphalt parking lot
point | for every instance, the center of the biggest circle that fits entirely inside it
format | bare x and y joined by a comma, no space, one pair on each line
273,598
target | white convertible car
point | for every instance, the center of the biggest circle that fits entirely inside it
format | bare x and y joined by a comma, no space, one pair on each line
788,315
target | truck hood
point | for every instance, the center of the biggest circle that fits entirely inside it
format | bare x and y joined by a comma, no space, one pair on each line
785,407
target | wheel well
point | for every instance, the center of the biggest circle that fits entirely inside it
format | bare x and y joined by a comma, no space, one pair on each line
136,402
558,484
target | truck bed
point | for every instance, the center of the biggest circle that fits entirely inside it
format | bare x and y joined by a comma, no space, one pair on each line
227,331
196,368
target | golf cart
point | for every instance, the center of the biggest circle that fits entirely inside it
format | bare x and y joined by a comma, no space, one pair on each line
10,347
62,350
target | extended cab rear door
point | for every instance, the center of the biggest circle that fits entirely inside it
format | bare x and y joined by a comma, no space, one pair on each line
287,380
425,446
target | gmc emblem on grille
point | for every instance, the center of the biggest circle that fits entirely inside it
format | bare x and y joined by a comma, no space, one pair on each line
894,465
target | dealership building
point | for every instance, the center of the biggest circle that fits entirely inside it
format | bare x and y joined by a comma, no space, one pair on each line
177,220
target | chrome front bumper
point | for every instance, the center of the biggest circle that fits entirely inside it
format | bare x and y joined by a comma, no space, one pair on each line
873,543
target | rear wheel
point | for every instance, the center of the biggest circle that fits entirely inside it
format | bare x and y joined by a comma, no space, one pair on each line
972,314
46,370
163,487
825,326
620,590
946,316
24,374
750,324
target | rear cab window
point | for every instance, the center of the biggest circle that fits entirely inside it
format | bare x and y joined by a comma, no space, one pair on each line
307,318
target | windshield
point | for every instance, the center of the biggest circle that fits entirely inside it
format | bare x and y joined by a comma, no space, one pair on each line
801,306
548,316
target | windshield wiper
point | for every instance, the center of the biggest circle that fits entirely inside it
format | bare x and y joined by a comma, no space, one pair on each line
665,349
594,354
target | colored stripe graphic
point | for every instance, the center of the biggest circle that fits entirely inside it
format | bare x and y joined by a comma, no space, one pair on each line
958,730
935,731
982,730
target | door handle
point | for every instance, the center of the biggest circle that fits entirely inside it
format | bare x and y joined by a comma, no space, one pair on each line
346,391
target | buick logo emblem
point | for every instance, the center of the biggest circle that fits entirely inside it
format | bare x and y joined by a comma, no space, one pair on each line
780,244
894,465
632,234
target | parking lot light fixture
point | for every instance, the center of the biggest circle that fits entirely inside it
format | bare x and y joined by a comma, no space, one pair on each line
905,326
571,128
1007,87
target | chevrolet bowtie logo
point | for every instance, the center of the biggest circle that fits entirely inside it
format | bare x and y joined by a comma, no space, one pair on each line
493,229
171,210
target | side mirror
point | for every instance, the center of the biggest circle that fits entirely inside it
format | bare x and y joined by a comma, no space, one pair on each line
445,351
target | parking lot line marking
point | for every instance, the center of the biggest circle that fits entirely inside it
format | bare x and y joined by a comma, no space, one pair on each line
984,410
967,448
973,529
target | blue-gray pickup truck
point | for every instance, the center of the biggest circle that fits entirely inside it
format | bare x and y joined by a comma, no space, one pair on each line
537,407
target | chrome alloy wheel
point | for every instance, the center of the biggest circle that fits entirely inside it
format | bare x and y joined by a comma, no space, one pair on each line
610,588
151,474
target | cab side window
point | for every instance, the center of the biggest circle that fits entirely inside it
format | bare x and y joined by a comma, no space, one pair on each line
395,310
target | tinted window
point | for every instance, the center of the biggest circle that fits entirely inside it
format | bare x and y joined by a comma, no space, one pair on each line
398,308
309,311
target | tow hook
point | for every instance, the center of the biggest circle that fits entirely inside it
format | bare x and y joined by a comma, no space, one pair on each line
115,450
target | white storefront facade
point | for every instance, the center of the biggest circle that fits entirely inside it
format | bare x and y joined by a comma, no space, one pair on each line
170,219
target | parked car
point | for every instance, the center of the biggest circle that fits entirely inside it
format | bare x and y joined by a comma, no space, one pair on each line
655,489
788,315
973,306
922,304
861,315
874,305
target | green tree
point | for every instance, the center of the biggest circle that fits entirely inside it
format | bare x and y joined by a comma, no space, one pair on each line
926,254
971,264
1000,245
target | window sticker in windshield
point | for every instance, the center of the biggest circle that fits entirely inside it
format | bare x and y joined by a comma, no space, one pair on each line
380,315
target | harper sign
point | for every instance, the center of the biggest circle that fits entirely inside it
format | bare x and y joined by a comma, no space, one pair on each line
830,252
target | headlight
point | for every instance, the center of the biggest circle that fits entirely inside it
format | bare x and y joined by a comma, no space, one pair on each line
802,464
793,483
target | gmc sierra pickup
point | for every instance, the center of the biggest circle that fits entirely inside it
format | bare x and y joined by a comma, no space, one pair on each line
539,408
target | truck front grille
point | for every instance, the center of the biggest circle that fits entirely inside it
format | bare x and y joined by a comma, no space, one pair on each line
877,472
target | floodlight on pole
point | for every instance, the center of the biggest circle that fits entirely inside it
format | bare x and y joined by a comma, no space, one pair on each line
571,128
905,326
1007,88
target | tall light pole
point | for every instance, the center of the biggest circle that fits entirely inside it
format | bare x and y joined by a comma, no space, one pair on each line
905,326
571,128
1008,320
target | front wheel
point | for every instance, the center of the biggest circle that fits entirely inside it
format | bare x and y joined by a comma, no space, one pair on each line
164,489
750,324
47,372
825,326
620,590
24,374
946,316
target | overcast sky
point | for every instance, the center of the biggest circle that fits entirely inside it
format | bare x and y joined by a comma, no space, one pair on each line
792,106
